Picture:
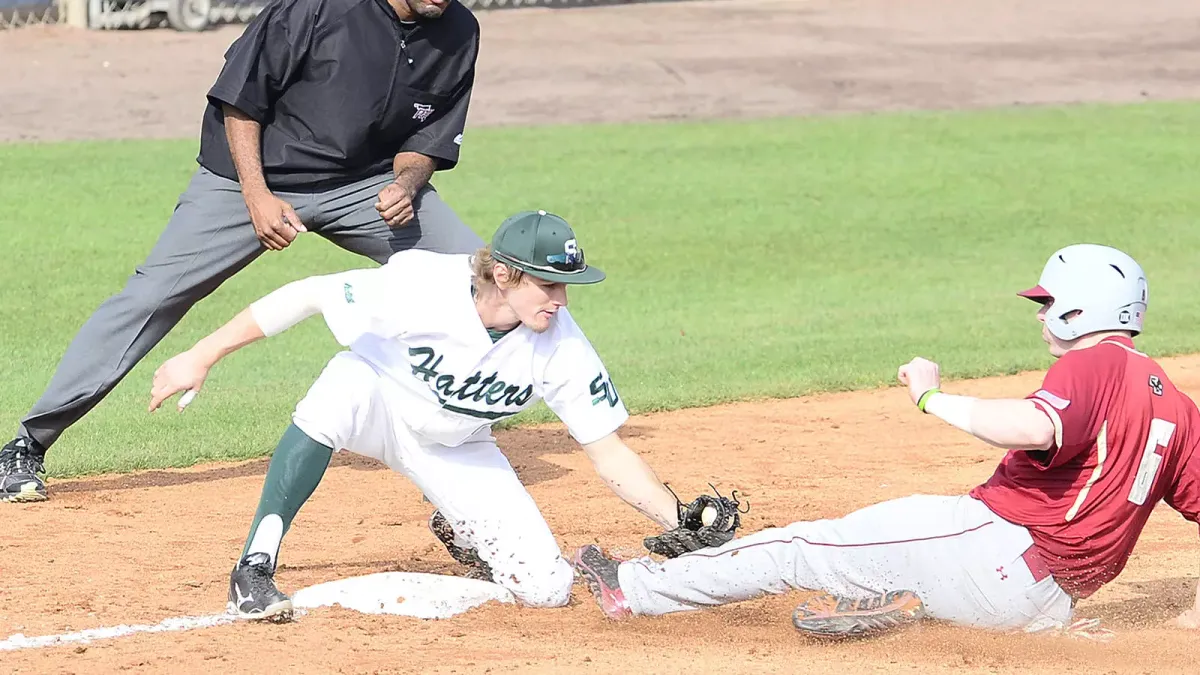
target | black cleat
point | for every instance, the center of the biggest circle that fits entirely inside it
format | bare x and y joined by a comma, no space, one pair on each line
252,592
20,463
463,553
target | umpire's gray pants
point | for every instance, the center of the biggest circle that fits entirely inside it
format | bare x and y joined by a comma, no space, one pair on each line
208,239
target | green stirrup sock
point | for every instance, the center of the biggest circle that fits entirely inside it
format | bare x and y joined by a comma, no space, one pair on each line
296,468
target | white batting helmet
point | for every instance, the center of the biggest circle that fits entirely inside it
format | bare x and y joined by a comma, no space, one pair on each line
1106,286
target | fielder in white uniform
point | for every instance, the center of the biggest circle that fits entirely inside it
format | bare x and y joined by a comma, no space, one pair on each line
440,347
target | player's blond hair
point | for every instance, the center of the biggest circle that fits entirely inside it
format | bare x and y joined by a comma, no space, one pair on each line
484,263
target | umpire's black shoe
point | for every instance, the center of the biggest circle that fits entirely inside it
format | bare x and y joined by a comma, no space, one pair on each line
20,463
252,592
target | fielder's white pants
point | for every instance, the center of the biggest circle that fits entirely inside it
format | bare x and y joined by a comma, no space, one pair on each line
965,562
473,485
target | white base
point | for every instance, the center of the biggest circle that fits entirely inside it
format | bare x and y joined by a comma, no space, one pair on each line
424,596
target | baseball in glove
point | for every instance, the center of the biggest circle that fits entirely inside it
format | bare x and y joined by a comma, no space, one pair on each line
829,617
706,522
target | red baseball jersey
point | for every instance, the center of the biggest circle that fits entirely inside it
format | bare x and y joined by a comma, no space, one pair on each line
1124,438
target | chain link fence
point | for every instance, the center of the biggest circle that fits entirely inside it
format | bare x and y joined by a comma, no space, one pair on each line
20,15
195,15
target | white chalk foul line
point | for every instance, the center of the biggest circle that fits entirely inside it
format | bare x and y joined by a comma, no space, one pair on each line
177,623
419,595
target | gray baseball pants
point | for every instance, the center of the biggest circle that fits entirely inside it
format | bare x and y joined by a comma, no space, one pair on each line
208,239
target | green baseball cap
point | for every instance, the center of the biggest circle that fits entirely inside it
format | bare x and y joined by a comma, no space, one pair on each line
543,244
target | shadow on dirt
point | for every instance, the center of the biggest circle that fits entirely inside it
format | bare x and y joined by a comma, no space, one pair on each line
524,448
1160,600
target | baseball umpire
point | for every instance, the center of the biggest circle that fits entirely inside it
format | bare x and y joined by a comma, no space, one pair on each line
328,117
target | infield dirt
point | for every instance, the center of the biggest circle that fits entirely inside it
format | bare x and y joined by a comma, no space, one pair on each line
137,549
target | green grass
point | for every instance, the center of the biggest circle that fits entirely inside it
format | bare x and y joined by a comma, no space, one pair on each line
745,259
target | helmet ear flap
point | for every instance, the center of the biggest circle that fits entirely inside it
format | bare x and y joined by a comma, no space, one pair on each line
1059,323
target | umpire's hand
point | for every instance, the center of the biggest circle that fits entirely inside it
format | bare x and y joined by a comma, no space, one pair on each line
275,221
395,205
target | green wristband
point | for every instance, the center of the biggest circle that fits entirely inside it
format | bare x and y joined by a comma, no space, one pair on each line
925,398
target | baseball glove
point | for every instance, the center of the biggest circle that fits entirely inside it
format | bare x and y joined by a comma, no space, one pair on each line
706,522
827,616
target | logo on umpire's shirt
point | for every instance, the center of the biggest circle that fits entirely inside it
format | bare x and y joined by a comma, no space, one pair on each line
422,111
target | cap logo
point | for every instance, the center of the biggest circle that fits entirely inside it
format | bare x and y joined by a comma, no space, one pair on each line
570,260
1124,316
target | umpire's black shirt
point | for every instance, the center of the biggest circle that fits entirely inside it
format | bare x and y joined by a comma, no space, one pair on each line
341,86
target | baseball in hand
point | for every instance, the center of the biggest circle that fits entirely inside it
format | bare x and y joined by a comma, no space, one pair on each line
186,398
708,516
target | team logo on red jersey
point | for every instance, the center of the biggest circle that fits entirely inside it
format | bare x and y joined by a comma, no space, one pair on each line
1156,385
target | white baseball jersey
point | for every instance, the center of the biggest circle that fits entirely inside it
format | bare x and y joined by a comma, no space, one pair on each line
414,320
